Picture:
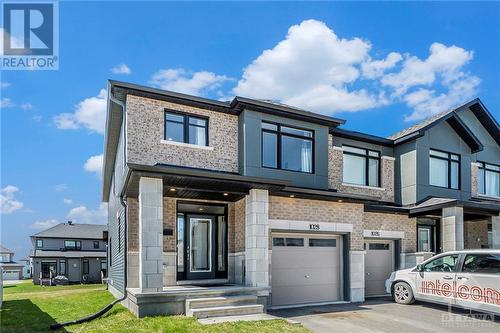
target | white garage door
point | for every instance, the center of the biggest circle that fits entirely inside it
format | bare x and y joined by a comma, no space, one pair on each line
379,263
11,275
305,269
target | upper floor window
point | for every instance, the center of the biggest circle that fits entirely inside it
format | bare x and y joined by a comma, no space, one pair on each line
489,179
180,127
361,166
287,148
96,244
444,169
72,244
39,243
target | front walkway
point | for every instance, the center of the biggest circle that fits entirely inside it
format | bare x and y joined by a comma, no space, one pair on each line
383,315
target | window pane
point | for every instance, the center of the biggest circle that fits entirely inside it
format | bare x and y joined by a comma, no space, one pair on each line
197,135
269,150
424,242
438,171
493,167
175,117
174,132
296,154
454,175
492,183
442,264
197,121
294,241
455,157
378,246
180,242
354,169
278,241
221,243
373,153
482,263
354,150
373,172
480,180
322,242
269,126
296,131
439,153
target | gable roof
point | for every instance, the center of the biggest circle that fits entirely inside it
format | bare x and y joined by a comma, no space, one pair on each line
3,249
74,230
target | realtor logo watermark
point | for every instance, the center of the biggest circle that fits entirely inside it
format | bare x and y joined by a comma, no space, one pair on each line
30,35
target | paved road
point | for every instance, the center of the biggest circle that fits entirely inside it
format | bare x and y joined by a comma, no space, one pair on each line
383,315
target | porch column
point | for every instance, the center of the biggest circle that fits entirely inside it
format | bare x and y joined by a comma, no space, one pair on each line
257,238
452,229
495,232
150,234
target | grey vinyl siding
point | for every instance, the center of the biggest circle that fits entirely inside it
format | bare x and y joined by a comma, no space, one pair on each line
56,244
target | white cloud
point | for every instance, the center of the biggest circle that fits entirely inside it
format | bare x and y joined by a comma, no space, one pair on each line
61,187
8,203
94,164
6,102
121,69
4,85
376,68
44,224
82,214
67,201
89,113
312,62
180,80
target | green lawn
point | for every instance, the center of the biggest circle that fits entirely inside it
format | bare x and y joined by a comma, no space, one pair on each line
29,308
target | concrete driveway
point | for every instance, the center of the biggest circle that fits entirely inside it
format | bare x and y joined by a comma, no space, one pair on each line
383,315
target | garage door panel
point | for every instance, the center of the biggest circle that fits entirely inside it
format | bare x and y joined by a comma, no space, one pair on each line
293,260
299,277
306,294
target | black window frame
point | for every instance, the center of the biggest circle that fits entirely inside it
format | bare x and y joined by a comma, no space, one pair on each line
39,246
78,244
279,134
449,163
185,123
367,158
96,244
86,266
483,168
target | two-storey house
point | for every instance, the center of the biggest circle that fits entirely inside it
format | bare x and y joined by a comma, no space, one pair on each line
266,205
76,251
10,269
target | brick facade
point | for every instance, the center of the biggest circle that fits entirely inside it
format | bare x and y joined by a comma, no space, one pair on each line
145,125
475,234
394,222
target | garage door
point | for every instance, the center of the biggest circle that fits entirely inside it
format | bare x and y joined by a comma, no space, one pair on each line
379,263
305,269
11,275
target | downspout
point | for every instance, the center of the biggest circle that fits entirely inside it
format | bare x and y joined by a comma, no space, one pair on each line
123,202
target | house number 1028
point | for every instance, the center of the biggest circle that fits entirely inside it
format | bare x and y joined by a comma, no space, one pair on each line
313,226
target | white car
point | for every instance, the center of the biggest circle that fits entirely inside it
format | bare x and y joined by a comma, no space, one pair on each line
469,279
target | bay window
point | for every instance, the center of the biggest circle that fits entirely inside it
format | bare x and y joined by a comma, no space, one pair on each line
361,166
184,128
287,148
444,169
489,179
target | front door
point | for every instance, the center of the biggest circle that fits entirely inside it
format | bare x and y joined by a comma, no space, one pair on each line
49,267
200,247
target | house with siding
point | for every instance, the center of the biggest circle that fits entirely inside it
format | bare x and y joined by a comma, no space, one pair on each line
76,251
10,269
236,207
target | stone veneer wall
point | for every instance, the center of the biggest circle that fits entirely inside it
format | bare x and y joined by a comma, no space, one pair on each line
474,180
321,211
239,230
394,222
475,234
145,126
335,175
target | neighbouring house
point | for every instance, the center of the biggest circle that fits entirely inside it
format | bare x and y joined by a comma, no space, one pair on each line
26,267
76,251
11,270
272,206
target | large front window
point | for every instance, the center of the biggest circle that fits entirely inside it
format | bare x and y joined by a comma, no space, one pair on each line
287,148
361,166
444,169
185,128
489,179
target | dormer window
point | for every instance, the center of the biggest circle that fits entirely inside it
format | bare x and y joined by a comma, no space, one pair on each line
444,169
185,128
489,179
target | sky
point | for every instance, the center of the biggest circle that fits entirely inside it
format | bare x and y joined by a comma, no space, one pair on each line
380,66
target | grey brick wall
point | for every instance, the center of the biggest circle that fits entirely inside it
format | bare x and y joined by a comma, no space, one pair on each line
145,126
394,222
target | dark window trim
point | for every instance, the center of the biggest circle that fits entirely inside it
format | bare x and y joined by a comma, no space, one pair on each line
367,157
483,167
86,263
185,124
279,135
78,244
450,161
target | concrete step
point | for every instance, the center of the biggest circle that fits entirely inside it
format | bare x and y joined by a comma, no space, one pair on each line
208,302
230,310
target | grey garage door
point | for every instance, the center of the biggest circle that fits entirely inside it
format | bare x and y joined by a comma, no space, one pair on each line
10,275
379,263
305,269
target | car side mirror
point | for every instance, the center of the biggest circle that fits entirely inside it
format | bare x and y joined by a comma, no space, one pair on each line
420,268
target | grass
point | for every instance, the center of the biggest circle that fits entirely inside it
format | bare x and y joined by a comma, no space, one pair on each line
30,308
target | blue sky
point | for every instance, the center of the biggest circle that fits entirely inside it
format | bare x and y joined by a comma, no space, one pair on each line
380,66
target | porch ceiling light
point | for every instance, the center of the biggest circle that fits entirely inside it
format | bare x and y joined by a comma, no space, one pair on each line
226,194
292,196
200,209
173,189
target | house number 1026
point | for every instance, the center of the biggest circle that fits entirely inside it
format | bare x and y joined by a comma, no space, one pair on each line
313,226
